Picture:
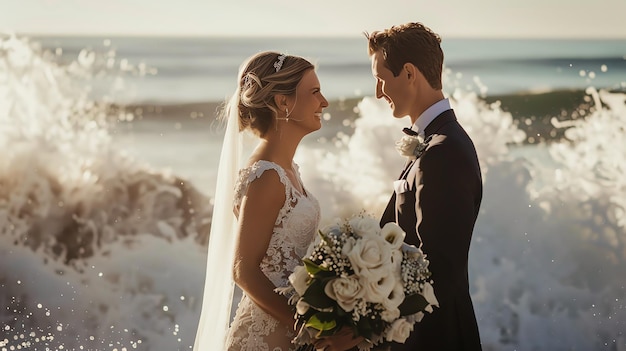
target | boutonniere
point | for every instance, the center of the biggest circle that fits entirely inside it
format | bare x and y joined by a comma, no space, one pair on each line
412,146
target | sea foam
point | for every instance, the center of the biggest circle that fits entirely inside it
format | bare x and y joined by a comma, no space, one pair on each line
99,251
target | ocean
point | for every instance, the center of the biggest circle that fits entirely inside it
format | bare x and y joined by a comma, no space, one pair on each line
184,70
110,146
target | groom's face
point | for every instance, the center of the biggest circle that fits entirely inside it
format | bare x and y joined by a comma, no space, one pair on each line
393,89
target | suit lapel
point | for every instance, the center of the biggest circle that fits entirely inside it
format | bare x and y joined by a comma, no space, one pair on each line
406,169
445,117
409,173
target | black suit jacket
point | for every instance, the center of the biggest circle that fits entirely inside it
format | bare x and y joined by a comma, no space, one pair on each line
438,209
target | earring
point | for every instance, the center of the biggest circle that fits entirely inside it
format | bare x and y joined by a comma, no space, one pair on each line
287,114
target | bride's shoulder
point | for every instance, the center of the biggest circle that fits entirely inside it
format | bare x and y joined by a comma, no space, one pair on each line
254,171
256,168
260,166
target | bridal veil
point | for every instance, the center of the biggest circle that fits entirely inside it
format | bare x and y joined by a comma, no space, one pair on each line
219,284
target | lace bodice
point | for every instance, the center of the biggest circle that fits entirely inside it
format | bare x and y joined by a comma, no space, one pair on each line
295,226
294,229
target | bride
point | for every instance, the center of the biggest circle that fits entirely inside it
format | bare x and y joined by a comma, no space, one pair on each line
273,218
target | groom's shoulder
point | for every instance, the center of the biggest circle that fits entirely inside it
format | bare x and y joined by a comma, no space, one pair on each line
450,143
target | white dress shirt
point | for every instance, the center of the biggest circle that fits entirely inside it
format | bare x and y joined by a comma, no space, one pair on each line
429,115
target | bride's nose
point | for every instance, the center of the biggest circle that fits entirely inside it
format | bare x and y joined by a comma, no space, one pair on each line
324,102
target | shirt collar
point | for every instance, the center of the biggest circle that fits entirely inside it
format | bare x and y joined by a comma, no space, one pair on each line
429,115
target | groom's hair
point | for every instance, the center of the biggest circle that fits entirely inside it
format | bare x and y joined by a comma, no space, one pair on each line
410,43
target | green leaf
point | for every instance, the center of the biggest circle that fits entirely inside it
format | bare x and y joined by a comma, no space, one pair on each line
307,314
322,321
412,304
343,314
322,235
364,328
315,295
325,333
312,267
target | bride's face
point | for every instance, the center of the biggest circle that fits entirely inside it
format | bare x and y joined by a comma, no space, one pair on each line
308,103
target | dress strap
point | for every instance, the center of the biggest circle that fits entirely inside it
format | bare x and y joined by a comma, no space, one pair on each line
255,171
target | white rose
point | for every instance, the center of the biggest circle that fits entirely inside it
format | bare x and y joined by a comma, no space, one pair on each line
395,297
346,291
390,315
348,246
396,258
302,307
370,257
364,226
429,295
418,316
393,234
299,279
407,144
378,291
399,331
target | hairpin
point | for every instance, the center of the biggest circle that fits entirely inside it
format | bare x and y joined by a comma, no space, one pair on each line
279,63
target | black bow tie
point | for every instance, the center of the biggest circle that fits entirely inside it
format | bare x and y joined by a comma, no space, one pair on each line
409,131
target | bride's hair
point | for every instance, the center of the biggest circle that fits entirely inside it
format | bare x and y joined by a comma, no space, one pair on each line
261,77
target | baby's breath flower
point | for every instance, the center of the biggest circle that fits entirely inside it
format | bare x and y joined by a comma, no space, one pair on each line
330,259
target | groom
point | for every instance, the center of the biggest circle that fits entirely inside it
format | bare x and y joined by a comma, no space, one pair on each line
438,194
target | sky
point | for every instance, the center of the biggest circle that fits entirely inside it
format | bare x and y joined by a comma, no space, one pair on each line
449,18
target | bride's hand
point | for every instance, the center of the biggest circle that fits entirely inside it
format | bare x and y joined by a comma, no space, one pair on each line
343,340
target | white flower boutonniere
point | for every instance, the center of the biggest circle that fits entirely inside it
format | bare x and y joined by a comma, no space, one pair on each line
412,146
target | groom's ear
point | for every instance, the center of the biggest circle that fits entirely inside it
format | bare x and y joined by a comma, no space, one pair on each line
410,71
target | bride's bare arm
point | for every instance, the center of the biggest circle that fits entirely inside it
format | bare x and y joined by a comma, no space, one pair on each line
257,215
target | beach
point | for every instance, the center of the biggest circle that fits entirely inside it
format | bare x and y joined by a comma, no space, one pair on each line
111,148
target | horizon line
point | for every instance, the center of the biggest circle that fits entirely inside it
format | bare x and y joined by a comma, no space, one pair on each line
294,36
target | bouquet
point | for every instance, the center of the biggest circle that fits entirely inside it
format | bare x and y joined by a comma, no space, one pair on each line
364,277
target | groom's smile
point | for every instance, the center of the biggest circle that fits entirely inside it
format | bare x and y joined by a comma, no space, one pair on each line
388,86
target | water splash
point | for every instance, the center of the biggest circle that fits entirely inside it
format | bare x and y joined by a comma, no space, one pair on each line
91,240
549,243
81,221
550,240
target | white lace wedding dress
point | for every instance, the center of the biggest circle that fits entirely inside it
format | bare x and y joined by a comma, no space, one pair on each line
294,229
